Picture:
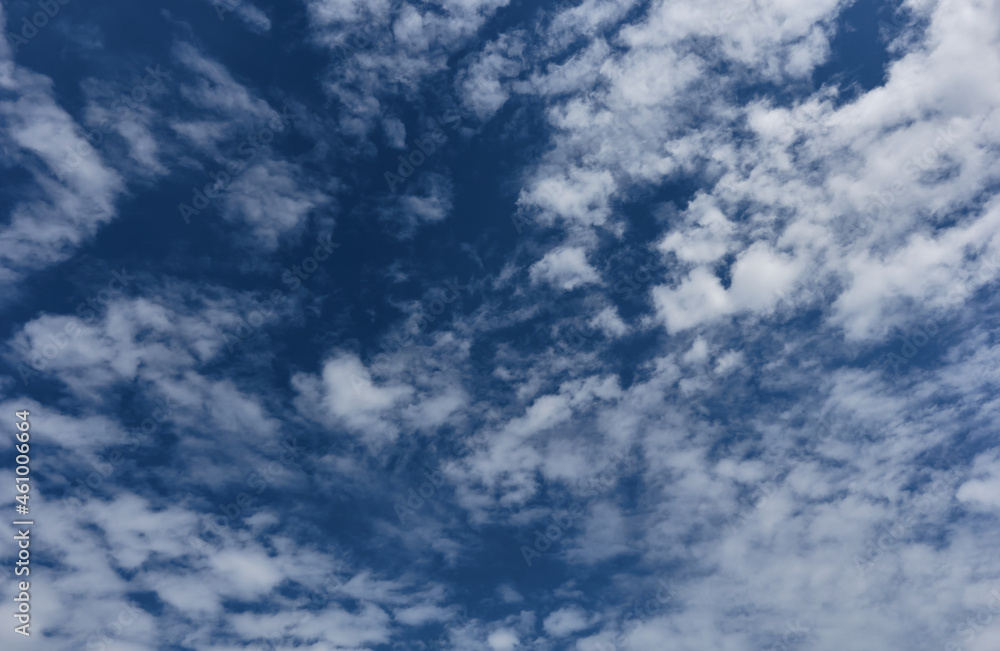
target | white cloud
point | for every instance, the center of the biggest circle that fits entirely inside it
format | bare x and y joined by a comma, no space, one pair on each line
502,640
760,278
578,195
67,199
565,621
269,199
348,393
699,298
249,13
981,492
483,90
509,595
608,322
380,47
705,243
566,268
423,614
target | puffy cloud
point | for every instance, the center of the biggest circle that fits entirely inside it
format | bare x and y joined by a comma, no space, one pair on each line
565,621
502,640
566,268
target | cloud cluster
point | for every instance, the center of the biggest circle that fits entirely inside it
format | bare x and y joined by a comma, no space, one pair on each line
766,288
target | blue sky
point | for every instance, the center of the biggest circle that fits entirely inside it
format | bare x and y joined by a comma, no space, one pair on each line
485,325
